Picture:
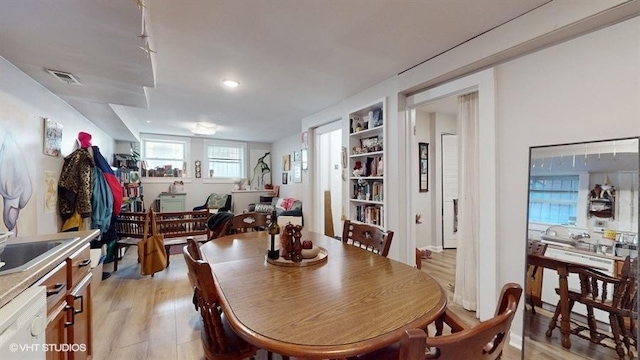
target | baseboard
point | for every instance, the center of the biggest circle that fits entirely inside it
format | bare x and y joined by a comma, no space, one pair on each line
515,340
432,248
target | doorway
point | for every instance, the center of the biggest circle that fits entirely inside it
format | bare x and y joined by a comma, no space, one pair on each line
328,140
485,266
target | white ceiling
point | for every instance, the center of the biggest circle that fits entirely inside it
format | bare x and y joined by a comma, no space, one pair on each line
292,57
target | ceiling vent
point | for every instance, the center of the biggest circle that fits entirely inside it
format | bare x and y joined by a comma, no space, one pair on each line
65,77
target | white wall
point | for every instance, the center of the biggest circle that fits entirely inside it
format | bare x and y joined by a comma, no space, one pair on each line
291,189
582,90
23,105
198,190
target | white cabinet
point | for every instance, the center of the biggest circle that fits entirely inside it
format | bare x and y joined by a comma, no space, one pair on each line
241,199
367,164
170,202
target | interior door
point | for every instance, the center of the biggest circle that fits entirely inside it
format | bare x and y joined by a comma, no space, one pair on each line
328,140
449,191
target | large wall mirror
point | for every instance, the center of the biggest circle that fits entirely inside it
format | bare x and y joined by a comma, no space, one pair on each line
583,215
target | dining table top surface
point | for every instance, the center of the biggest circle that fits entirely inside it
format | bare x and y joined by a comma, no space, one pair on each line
353,303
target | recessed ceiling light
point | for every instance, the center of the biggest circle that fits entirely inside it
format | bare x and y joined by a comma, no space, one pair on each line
230,83
148,121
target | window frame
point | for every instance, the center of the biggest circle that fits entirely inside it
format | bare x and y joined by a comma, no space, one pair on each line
229,143
579,203
185,141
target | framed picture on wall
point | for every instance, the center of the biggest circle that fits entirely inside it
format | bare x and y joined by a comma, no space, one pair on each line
285,177
423,160
286,162
52,137
305,159
297,172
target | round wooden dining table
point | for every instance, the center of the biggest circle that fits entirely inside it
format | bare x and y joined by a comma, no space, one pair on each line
353,303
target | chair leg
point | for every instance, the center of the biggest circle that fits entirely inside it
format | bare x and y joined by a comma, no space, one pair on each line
115,258
553,323
166,250
625,334
593,327
554,320
615,329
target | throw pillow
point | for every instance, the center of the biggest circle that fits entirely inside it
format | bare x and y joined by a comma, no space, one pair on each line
264,208
216,201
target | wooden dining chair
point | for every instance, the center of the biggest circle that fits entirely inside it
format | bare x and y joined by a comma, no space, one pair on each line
621,304
484,341
251,221
367,237
533,284
218,338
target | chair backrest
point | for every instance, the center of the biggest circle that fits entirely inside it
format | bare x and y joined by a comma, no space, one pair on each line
208,301
484,341
183,223
250,221
625,296
130,224
595,289
367,237
191,253
537,247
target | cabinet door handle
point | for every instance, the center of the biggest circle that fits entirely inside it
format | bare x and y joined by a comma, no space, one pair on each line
81,304
73,316
56,289
84,263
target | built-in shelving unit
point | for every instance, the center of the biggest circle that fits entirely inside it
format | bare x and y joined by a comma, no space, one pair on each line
367,164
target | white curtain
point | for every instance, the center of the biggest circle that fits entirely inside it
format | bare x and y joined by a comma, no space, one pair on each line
466,289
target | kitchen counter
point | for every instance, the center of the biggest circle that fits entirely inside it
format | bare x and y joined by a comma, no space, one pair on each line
585,252
13,284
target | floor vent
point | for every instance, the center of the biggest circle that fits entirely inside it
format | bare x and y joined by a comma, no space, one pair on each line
65,77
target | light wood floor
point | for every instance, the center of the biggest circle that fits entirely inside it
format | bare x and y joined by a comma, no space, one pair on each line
139,317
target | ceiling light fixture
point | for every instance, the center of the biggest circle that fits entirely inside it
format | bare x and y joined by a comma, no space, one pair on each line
204,129
230,83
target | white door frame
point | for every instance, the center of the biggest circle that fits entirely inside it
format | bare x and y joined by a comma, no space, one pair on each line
318,191
484,83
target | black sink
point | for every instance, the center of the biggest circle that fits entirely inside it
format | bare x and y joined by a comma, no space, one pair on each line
22,256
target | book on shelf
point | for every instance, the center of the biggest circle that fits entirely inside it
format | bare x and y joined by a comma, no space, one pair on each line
370,214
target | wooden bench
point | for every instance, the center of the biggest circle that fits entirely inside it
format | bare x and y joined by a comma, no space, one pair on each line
176,227
130,230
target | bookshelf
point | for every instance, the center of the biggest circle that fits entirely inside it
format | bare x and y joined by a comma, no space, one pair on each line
129,176
367,199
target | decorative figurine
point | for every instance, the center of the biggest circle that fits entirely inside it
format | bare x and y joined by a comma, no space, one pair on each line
296,249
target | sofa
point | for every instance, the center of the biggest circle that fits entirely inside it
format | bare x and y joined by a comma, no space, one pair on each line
285,207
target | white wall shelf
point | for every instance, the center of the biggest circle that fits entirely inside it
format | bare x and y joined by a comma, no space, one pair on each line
366,150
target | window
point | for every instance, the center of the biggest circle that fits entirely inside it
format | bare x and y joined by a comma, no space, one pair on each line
554,199
164,156
225,160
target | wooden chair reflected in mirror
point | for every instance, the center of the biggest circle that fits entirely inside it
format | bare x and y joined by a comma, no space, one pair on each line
533,285
621,304
367,237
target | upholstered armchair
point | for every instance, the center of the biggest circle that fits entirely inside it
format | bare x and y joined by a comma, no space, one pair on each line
216,202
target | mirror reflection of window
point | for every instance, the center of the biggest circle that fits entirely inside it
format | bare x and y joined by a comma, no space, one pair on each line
583,204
